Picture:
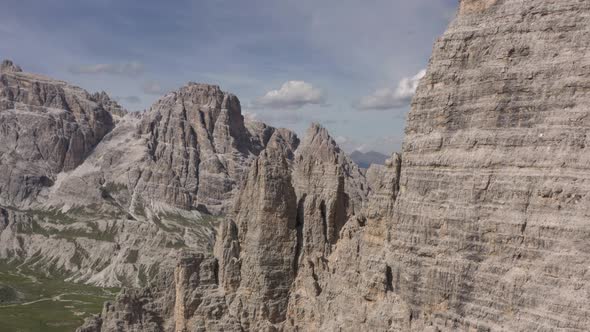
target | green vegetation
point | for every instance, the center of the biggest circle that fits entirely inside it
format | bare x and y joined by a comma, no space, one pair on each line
204,220
70,233
52,216
8,294
139,209
31,302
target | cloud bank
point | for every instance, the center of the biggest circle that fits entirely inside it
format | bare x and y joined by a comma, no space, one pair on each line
381,144
291,95
387,98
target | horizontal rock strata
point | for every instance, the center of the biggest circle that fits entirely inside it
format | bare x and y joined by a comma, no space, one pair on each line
481,224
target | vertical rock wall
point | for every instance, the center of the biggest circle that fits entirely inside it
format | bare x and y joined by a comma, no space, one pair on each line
46,126
481,225
491,229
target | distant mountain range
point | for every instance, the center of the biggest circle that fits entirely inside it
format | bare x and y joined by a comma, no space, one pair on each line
365,159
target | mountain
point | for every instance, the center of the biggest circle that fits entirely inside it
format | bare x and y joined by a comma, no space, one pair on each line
48,127
96,194
481,224
285,223
366,159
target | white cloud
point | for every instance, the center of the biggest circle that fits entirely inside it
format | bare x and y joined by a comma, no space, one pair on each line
348,144
152,88
249,116
342,140
382,144
387,98
291,95
130,69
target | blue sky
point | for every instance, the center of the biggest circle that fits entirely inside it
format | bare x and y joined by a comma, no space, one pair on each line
338,62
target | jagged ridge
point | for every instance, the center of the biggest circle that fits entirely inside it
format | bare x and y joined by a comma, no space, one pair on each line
481,224
97,194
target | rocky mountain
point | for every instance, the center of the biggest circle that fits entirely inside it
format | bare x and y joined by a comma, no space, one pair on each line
366,159
47,127
481,224
199,148
96,194
287,220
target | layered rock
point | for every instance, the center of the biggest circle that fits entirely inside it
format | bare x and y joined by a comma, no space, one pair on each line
480,225
285,223
199,146
46,126
267,238
489,229
486,232
96,194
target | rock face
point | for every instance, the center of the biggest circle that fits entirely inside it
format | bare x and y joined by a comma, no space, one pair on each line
489,231
95,194
266,237
8,66
286,222
199,146
480,225
46,126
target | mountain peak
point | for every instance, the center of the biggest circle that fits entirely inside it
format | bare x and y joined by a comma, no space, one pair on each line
317,135
9,66
204,86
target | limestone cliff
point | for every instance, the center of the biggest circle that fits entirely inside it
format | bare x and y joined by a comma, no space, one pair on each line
490,229
96,194
284,226
46,126
199,148
480,225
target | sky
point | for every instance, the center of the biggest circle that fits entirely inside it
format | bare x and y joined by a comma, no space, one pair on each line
351,65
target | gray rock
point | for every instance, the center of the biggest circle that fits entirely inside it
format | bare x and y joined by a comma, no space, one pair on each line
96,194
9,67
490,226
286,222
481,225
199,148
46,127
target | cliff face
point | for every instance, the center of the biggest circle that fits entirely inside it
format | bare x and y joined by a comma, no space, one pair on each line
95,194
480,225
273,252
46,126
199,146
487,231
490,228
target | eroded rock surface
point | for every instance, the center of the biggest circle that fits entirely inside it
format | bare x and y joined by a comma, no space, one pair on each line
480,225
199,147
489,231
46,126
285,224
96,194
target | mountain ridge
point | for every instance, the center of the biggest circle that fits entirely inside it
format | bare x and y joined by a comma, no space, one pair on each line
97,194
480,224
